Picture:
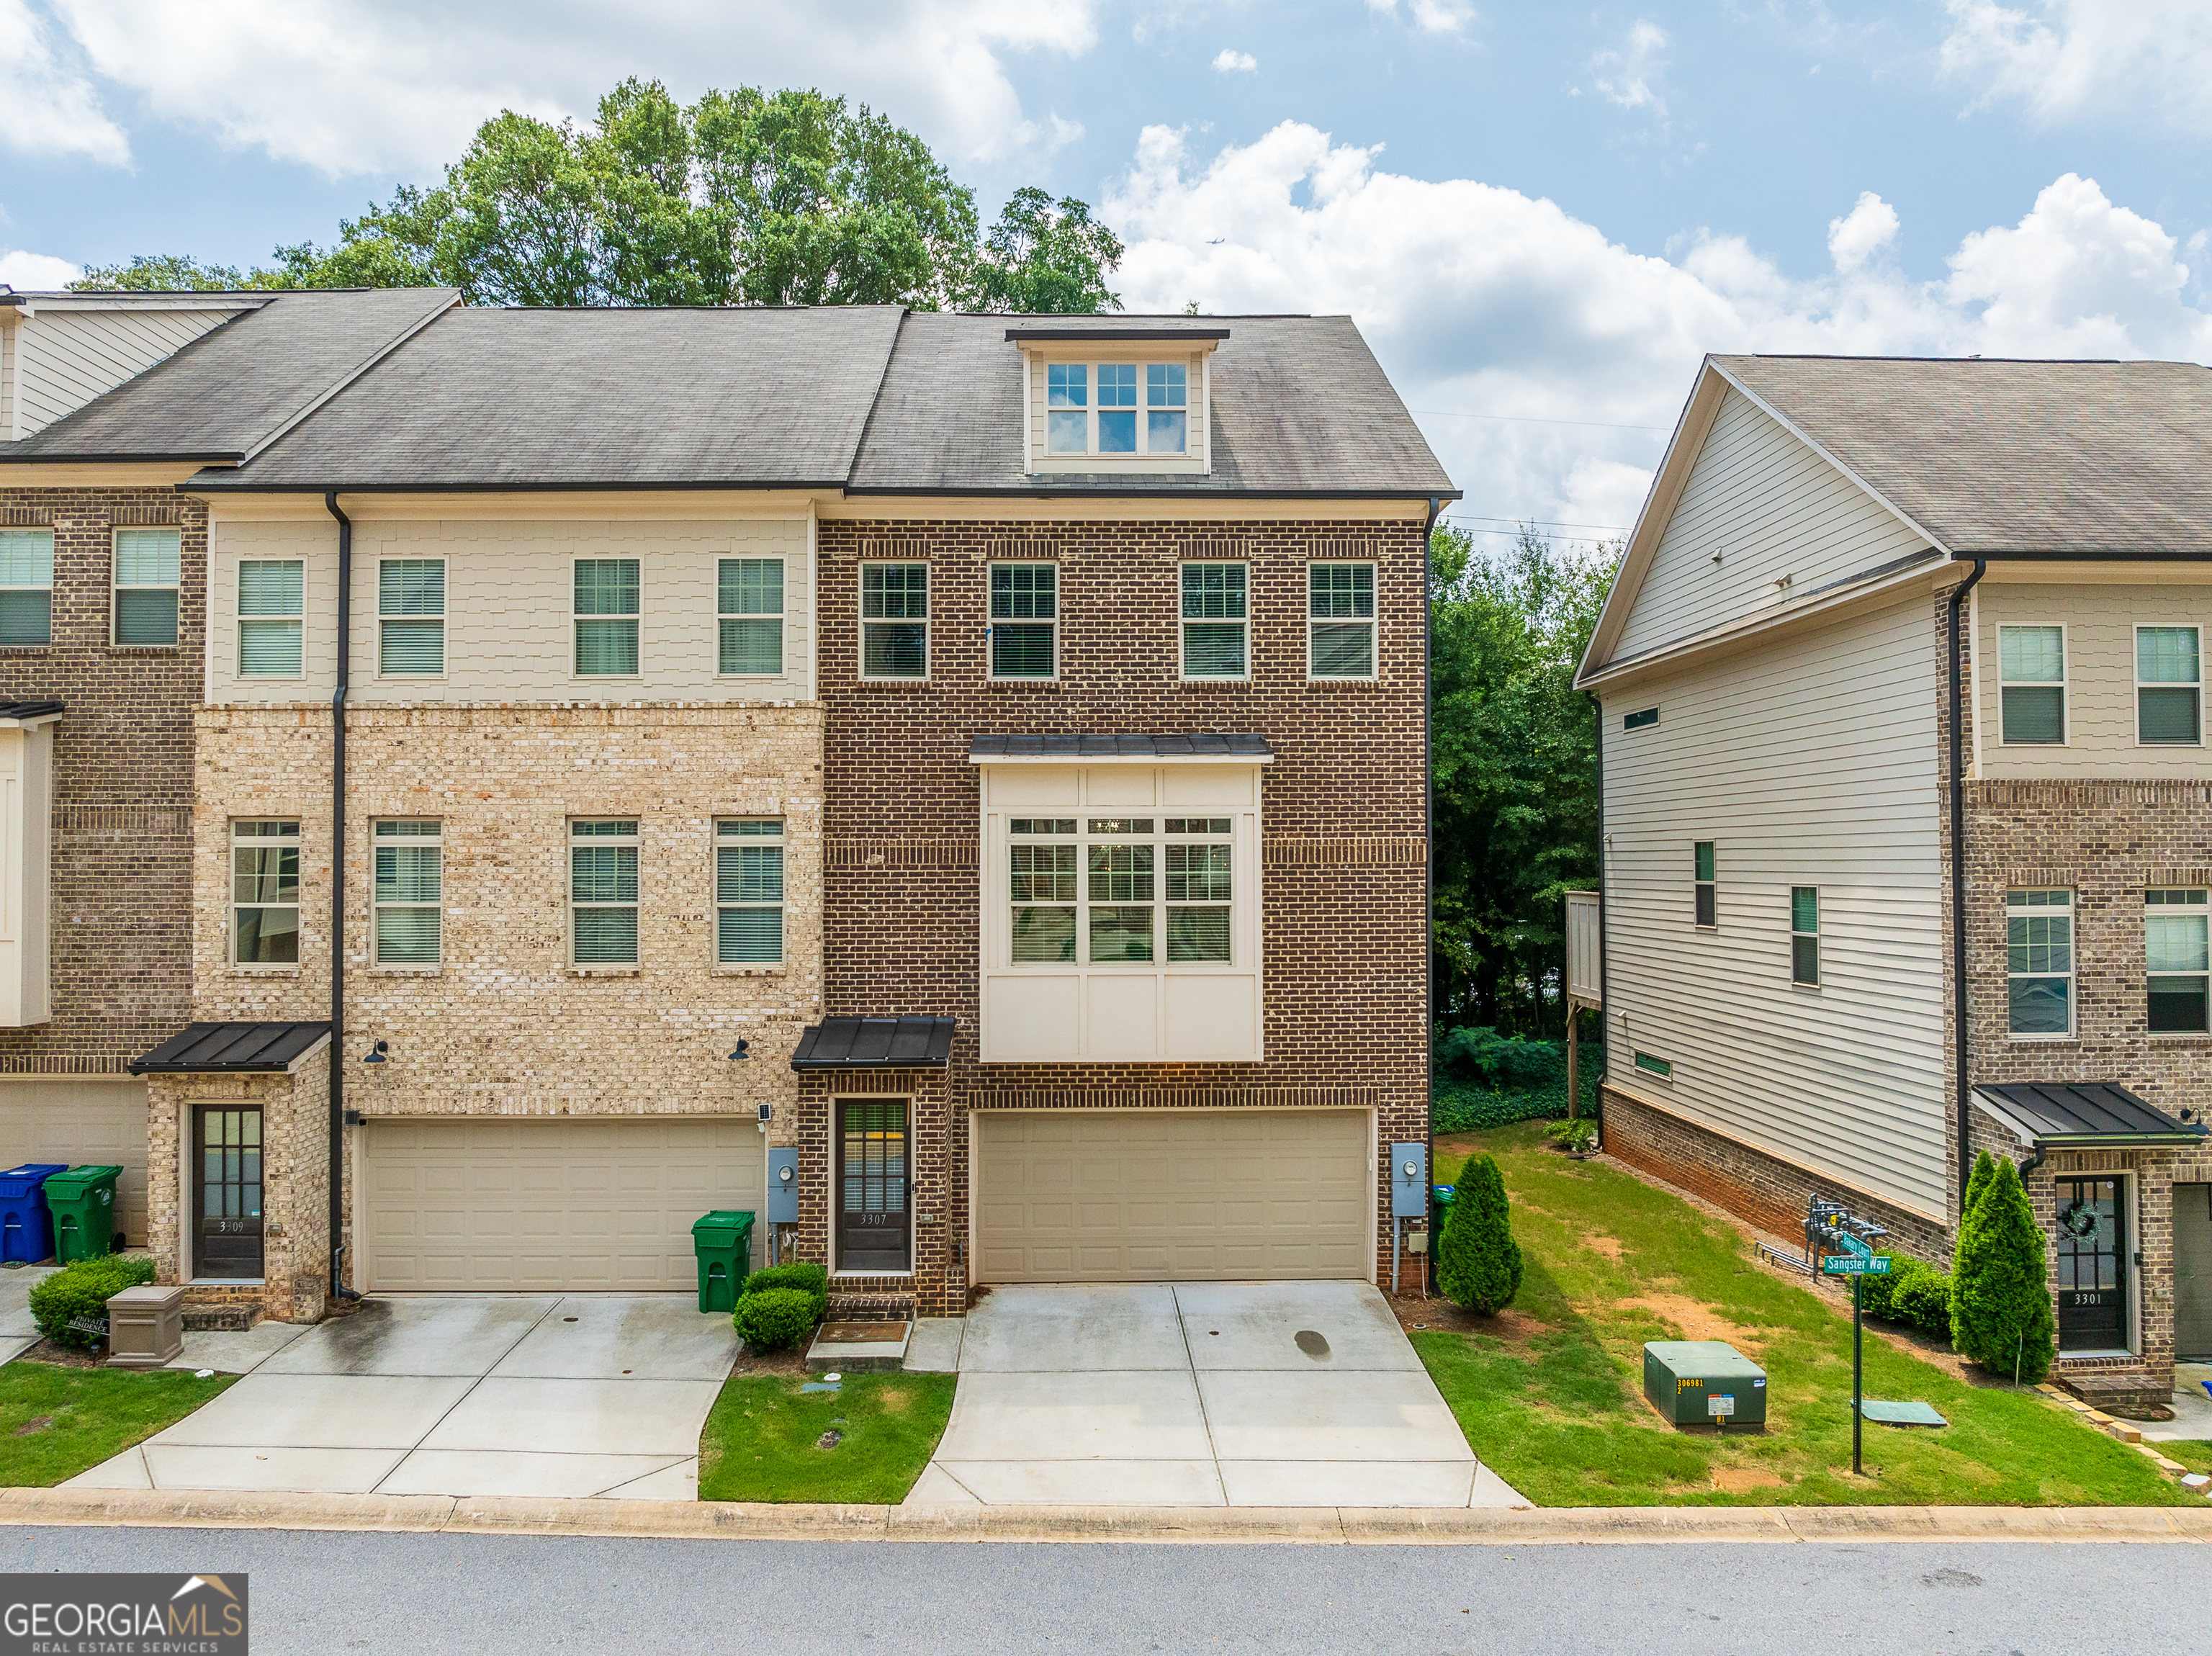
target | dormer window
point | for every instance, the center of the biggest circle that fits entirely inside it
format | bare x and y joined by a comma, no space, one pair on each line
1117,398
1141,408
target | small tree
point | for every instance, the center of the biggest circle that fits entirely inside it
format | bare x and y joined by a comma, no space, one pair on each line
1985,1169
1477,1261
2000,1315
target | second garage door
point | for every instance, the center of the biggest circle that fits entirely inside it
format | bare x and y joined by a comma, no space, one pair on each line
1117,1196
479,1205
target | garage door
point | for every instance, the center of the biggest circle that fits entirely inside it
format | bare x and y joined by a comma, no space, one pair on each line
1069,1196
98,1119
481,1204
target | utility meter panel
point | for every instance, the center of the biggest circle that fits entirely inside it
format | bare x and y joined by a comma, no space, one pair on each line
783,1187
1409,1180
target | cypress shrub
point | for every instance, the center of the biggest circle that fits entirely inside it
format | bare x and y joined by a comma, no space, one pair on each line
82,1289
2000,1310
1985,1169
1477,1261
775,1318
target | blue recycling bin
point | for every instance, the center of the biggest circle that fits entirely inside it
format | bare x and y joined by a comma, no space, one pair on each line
26,1229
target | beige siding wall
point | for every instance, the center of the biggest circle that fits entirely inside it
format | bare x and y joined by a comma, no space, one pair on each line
1810,761
1769,507
66,358
509,588
2101,673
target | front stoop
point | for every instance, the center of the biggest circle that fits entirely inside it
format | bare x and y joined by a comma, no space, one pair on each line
859,1348
221,1316
855,1308
2136,1393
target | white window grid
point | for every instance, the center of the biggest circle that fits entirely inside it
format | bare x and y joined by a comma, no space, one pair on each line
2039,964
748,891
1141,891
1340,622
1119,408
748,609
1805,936
407,859
894,607
2006,680
2170,648
606,617
410,617
26,587
1214,598
2178,964
264,894
1023,613
144,601
603,892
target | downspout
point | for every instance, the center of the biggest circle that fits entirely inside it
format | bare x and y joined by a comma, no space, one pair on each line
1429,908
339,1291
1604,976
1958,768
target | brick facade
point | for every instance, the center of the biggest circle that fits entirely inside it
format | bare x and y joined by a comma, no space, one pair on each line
1346,881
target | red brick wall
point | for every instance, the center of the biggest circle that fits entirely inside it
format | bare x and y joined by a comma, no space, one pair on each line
1343,817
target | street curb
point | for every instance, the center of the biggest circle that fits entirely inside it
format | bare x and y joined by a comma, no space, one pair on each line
1296,1526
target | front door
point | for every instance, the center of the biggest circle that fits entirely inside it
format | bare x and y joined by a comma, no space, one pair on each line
228,1170
871,1184
2092,1264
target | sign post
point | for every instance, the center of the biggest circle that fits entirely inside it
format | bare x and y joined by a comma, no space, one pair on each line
1830,1224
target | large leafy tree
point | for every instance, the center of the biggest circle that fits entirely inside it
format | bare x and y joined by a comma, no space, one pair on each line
1515,772
744,197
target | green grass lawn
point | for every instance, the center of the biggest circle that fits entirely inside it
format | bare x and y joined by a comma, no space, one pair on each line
764,1438
56,1422
1553,1399
2194,1455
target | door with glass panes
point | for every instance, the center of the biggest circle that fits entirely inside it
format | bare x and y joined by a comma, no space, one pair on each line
226,1204
873,1228
2092,1264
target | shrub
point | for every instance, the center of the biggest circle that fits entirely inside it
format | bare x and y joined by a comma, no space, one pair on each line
807,1277
1921,1295
82,1289
1878,1294
1578,1134
775,1318
1477,1261
1484,1079
1985,1169
2000,1314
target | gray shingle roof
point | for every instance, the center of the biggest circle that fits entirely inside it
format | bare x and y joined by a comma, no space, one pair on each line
2079,458
738,398
237,384
1300,406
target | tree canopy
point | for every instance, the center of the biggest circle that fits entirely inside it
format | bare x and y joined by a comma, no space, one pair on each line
744,197
1514,767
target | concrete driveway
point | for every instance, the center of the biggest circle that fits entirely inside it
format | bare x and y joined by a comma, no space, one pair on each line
1239,1394
461,1395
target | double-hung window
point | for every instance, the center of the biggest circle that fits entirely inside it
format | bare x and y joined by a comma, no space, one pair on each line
2032,685
1198,868
748,891
2177,963
2040,962
1122,890
894,620
1138,409
2169,688
409,873
271,602
264,893
27,587
1119,899
602,893
1024,619
1340,620
1707,909
1805,934
748,604
1215,644
410,617
607,616
1068,405
1042,861
145,604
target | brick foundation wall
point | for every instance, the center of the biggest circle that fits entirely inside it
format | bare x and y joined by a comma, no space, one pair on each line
1344,862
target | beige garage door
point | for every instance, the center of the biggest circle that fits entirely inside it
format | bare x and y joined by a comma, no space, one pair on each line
1110,1195
101,1119
481,1204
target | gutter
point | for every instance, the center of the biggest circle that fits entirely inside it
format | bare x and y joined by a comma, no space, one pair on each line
337,1132
1962,1103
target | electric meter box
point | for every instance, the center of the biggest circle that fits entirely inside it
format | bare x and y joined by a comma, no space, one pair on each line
1704,1383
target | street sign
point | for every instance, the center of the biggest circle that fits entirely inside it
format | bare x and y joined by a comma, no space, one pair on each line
1850,1264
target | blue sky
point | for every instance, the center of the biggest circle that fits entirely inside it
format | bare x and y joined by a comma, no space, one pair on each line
1540,215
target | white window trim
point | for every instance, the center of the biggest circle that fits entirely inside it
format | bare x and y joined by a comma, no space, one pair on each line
1241,879
1373,623
1697,925
445,636
239,618
571,844
1796,982
928,621
2204,910
231,905
1093,407
48,589
573,617
2073,949
413,842
1184,622
116,589
781,842
2064,682
990,621
781,616
2135,666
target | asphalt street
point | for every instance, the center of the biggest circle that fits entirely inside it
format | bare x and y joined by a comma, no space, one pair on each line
322,1591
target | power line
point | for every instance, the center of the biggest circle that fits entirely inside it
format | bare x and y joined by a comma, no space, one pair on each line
1533,420
1544,523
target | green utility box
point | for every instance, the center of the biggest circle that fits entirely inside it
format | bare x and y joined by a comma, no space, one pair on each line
1704,1383
723,1241
82,1202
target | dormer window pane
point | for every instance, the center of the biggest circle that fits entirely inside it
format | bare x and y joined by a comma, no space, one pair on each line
1117,407
1068,386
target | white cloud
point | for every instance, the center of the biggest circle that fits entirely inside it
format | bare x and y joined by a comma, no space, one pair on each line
357,87
26,272
1481,301
1625,77
2064,58
47,108
1231,61
1431,17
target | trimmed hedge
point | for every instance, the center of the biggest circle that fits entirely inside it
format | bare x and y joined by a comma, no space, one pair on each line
82,1289
776,1319
1914,1293
808,1276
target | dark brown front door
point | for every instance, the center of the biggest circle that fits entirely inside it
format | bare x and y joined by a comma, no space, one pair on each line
2093,1265
871,1184
229,1199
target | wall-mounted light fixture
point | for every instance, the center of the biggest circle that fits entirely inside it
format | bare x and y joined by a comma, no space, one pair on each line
376,1054
745,1050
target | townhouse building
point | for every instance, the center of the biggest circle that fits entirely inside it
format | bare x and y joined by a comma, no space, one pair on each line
967,772
1907,844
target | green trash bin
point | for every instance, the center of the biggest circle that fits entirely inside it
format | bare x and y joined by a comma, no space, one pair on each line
723,1241
82,1202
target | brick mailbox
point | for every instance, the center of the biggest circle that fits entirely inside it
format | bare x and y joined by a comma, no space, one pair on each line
145,1327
